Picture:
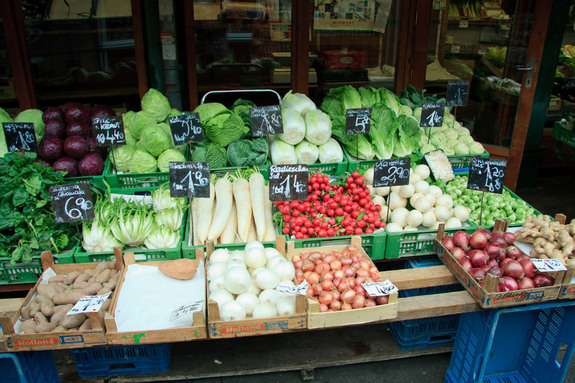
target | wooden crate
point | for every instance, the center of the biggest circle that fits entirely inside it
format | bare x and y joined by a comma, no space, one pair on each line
218,328
57,340
316,319
568,287
179,334
486,296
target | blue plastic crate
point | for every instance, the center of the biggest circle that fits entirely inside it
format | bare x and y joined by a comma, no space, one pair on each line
28,367
532,343
427,262
423,333
122,360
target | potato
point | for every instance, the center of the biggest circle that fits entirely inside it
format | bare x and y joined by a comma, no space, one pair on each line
182,269
114,278
74,320
110,285
92,289
45,327
104,290
71,277
34,308
59,329
86,325
57,279
89,272
81,284
47,308
83,277
48,290
67,297
101,267
25,312
60,313
28,327
40,318
103,276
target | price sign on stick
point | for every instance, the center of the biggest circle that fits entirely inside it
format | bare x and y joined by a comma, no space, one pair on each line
186,309
357,121
300,289
189,179
109,131
186,128
486,174
88,304
72,202
432,115
266,120
392,172
379,289
457,93
545,265
20,136
289,182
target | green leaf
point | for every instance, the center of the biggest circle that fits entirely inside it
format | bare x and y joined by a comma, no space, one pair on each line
20,197
33,184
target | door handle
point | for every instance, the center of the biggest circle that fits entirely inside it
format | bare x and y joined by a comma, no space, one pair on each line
529,69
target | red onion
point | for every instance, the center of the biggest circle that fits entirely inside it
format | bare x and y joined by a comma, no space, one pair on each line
317,289
346,306
336,282
323,308
351,281
513,269
526,283
458,253
496,272
335,305
494,236
508,284
493,251
348,295
461,239
313,278
477,273
309,292
499,242
328,258
509,238
335,264
326,276
478,257
327,285
322,268
308,266
369,303
492,263
528,268
504,261
542,280
478,240
326,298
522,257
362,273
382,300
339,274
513,252
358,302
343,285
447,242
485,231
466,263
336,295
346,261
348,271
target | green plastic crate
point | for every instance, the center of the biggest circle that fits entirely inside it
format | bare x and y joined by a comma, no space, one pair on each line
460,162
29,272
97,181
355,164
332,169
415,243
373,244
140,254
564,135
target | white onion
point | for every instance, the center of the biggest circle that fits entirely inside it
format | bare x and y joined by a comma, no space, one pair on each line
442,213
267,279
253,244
429,219
219,255
378,200
421,186
399,216
415,197
274,261
270,295
435,191
237,254
255,257
221,296
422,171
414,218
445,200
264,310
452,223
410,228
286,306
272,252
253,288
413,178
382,191
235,263
215,270
285,270
368,176
237,280
461,213
406,191
431,198
393,227
216,283
371,189
249,301
396,201
422,204
232,310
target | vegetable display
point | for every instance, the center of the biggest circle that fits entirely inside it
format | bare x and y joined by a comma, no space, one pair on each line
244,283
335,279
47,311
343,207
494,253
27,226
550,239
495,206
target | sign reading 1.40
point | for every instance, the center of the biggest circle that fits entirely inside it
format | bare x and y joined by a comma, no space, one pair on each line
109,131
189,179
186,128
289,182
432,115
72,202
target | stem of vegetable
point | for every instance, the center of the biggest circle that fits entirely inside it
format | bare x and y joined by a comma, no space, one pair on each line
357,149
54,244
481,210
112,152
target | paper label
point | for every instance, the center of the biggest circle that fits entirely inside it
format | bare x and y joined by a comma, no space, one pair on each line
379,289
186,309
89,304
463,23
545,265
293,290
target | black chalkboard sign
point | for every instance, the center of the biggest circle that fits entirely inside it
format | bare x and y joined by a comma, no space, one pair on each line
20,136
357,121
432,115
457,93
186,128
486,174
289,182
72,202
393,172
190,179
109,131
266,120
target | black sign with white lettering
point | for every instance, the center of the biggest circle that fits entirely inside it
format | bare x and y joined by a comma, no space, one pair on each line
432,115
109,131
190,179
289,182
20,136
72,202
457,93
393,172
357,121
266,120
186,128
486,174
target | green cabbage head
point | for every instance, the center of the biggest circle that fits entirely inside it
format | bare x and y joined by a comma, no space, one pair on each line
143,162
140,122
167,156
154,140
155,103
34,116
122,157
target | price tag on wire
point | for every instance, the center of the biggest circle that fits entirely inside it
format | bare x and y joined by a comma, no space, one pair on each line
109,131
186,309
20,136
393,172
432,115
486,174
300,289
457,93
189,179
72,202
357,121
266,120
289,182
379,289
186,128
89,304
546,265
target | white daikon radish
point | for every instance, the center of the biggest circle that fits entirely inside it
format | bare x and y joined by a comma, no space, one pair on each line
241,190
205,209
223,208
270,234
229,233
257,191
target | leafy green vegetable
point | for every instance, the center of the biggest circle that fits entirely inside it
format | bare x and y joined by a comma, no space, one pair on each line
282,153
154,140
294,127
34,116
156,104
242,108
369,96
209,110
298,101
330,152
167,156
212,153
122,157
382,131
143,162
140,122
317,127
306,152
248,152
332,106
224,128
348,96
4,117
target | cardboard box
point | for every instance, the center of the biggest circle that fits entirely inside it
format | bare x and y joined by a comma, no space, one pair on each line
57,340
179,334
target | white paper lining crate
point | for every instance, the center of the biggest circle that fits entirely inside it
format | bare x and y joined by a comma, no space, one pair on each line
317,319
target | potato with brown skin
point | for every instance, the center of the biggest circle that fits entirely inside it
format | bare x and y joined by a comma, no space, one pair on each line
40,318
89,272
34,308
86,325
92,289
74,320
60,313
104,276
71,277
45,327
104,290
46,305
101,267
81,284
114,278
48,290
182,269
109,285
59,329
28,327
57,279
68,297
83,277
25,312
